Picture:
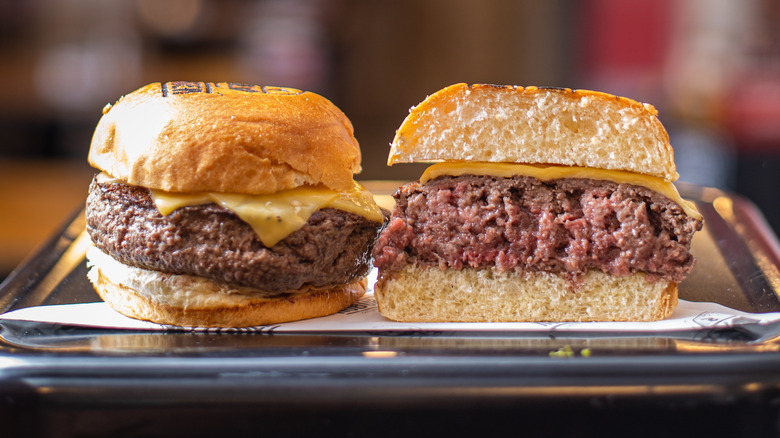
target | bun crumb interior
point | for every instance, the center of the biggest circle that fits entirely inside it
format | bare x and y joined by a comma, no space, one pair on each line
417,294
491,123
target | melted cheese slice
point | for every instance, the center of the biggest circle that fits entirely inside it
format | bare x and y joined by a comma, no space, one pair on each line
275,216
552,172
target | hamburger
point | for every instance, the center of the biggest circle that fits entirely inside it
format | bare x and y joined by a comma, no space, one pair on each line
227,205
544,204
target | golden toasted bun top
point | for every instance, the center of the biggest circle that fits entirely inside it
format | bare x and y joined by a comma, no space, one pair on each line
225,137
493,123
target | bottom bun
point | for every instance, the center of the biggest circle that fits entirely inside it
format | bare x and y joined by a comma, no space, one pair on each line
189,301
418,294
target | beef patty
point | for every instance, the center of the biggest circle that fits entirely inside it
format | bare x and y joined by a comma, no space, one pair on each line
333,247
562,226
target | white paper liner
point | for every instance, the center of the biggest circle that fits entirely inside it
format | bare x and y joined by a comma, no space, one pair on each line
364,317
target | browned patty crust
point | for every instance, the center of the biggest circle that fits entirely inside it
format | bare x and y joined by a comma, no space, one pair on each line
333,247
562,226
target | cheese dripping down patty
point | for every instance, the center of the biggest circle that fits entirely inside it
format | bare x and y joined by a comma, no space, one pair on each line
548,172
272,216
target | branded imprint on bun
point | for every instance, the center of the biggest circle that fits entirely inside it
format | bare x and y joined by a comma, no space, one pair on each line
227,205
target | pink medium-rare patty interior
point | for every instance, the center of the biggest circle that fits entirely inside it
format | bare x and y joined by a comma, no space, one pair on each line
564,226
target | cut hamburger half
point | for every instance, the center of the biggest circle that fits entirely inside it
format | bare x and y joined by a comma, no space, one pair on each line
544,204
227,205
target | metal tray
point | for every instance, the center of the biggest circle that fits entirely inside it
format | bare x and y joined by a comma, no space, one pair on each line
68,381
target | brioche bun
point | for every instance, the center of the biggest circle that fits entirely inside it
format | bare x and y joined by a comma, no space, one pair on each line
225,138
511,124
421,294
190,301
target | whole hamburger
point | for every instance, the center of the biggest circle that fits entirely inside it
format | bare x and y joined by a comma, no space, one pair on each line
227,205
546,205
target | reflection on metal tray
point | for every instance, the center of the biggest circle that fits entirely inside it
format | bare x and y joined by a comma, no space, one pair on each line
737,255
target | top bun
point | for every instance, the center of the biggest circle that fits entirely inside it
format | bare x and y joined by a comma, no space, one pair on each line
225,137
510,124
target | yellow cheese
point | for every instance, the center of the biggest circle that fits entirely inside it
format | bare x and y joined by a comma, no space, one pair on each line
277,215
551,172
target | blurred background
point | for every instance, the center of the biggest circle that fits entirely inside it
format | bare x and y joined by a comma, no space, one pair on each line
711,68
